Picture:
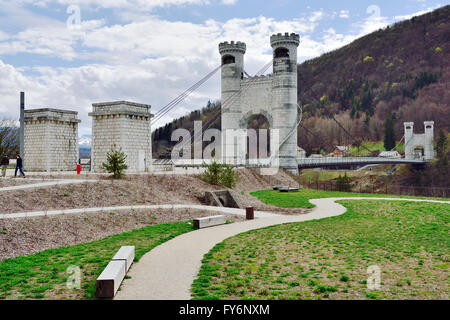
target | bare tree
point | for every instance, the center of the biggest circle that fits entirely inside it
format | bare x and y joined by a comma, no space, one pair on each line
9,137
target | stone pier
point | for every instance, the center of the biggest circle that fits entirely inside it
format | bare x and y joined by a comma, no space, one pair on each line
125,125
51,140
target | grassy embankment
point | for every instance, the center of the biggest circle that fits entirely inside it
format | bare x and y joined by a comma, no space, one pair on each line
301,199
329,258
43,275
377,145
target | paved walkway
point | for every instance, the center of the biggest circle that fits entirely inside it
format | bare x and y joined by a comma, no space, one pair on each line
167,271
241,212
45,184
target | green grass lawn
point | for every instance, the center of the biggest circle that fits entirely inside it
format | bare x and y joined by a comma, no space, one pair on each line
301,199
329,258
43,275
379,145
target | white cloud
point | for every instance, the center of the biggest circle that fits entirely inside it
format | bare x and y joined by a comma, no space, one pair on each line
344,14
316,16
3,36
229,2
418,13
150,60
138,65
120,4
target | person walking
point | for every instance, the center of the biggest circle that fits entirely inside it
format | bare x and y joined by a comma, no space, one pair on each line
4,164
19,166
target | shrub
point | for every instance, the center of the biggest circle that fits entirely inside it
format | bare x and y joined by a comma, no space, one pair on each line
212,173
343,183
220,174
344,279
368,59
228,178
115,162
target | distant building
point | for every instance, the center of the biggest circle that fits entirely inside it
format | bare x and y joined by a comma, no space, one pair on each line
316,156
301,153
390,154
341,151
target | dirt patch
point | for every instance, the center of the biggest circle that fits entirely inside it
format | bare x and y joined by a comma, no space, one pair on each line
137,190
11,182
24,236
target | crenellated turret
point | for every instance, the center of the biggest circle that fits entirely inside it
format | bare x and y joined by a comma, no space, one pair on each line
284,90
274,96
232,47
232,74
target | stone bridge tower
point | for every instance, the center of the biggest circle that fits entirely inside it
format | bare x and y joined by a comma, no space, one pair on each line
274,96
425,141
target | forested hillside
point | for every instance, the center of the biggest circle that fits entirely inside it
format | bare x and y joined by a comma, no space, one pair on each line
402,70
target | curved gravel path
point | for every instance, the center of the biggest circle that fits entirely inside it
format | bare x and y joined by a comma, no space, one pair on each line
45,184
168,271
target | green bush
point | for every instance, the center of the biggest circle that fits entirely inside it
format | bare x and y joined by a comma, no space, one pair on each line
220,175
115,162
343,183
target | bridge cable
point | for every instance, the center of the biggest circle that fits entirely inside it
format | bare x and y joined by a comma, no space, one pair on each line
228,101
164,110
339,124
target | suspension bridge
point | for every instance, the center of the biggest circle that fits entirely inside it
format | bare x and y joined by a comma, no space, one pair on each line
242,85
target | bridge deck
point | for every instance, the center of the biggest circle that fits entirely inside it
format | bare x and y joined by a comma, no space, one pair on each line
324,162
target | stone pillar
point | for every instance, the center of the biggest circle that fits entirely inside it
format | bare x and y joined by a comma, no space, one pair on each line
125,125
409,134
233,146
51,140
284,91
429,140
22,127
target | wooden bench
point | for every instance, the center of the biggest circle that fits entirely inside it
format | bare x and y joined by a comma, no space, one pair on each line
287,189
110,279
200,223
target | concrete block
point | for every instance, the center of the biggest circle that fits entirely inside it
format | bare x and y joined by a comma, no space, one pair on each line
200,223
110,279
125,253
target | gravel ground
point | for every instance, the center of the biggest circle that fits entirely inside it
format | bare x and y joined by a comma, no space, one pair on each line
132,190
20,237
128,191
29,235
11,182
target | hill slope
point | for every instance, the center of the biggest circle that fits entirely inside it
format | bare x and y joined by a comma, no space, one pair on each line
403,69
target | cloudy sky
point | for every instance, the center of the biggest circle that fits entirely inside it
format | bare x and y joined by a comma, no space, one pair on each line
71,53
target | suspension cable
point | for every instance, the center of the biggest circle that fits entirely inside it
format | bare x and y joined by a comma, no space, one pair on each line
164,110
228,101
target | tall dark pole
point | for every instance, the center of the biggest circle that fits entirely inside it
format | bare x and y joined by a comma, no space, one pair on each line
22,128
